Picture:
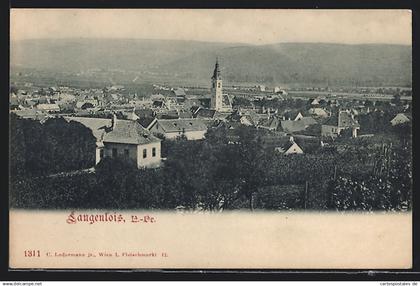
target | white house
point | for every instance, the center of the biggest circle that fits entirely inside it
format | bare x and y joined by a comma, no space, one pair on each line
400,118
123,139
290,147
315,101
299,116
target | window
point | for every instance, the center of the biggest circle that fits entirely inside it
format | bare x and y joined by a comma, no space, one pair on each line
144,153
126,152
153,152
218,84
114,152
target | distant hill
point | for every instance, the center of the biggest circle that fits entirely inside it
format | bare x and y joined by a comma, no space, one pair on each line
307,63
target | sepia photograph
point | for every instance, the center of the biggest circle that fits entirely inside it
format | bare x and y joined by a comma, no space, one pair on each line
210,138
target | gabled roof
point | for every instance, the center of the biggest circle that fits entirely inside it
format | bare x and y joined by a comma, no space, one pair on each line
402,116
345,120
292,114
145,112
183,125
145,121
342,119
168,114
307,120
204,113
292,126
179,92
124,131
273,140
318,111
190,103
228,124
333,120
292,147
315,101
288,145
185,114
157,103
97,125
269,123
129,132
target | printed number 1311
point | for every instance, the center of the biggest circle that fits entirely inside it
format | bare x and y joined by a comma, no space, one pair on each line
32,253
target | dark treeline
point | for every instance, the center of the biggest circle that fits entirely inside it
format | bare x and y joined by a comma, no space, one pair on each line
54,146
210,174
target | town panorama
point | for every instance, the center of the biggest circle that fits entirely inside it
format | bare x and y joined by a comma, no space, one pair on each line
252,137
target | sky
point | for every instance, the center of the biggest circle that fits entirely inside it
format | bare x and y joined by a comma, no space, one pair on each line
256,26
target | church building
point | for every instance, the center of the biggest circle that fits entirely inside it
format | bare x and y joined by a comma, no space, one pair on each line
219,101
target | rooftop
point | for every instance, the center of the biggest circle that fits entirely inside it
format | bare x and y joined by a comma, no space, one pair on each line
129,132
176,125
124,131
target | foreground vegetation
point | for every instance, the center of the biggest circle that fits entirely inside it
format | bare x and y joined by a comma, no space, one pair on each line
212,174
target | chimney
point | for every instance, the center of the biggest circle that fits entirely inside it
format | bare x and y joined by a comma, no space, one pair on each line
292,139
113,120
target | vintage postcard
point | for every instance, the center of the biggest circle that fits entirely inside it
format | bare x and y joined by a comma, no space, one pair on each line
210,138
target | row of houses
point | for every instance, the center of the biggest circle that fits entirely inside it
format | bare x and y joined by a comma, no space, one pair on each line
136,136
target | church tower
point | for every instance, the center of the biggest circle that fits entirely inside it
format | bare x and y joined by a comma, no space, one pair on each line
216,89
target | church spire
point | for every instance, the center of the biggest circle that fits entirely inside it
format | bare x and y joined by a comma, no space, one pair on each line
216,73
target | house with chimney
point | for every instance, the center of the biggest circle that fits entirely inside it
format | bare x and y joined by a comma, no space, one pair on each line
125,139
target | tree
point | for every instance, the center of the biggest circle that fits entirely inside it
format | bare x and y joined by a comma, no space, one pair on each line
249,163
368,103
52,147
396,99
